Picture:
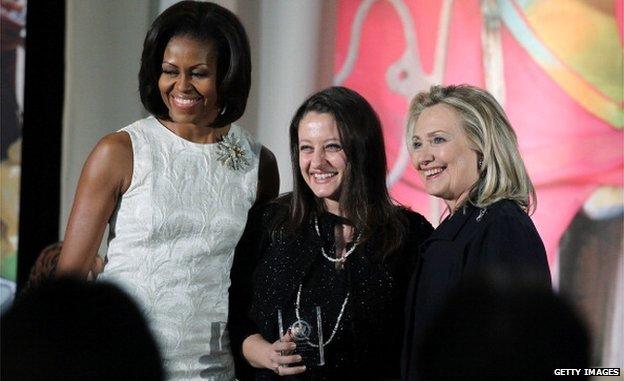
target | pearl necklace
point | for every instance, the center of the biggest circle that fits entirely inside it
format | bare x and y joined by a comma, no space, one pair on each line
344,257
331,337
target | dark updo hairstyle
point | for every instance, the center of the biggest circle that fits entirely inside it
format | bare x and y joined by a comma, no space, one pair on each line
364,198
205,22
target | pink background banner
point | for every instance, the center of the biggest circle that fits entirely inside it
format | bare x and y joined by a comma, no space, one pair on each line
561,87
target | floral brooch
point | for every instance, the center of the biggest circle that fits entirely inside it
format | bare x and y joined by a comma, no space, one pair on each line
231,154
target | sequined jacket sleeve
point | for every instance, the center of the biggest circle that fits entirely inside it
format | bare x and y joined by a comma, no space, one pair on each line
247,254
249,251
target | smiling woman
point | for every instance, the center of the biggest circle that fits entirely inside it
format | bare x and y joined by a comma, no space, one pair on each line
443,156
466,153
176,187
188,83
322,160
337,243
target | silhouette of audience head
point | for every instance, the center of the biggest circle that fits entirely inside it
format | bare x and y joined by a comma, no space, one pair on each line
495,329
68,329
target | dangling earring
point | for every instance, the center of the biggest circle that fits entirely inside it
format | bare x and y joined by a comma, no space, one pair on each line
223,109
480,163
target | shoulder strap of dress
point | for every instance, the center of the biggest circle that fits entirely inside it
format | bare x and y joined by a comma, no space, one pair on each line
246,136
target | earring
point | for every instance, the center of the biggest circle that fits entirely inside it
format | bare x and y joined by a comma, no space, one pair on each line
223,109
480,163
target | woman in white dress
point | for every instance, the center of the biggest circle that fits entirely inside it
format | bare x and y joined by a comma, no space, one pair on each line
176,188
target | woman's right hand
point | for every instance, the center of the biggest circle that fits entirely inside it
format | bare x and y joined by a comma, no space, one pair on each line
277,357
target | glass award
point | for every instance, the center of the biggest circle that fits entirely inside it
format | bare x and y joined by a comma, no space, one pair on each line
307,333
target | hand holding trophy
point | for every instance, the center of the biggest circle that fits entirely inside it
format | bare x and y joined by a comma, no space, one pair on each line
283,360
308,337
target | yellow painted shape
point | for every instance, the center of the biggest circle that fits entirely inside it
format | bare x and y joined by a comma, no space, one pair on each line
584,36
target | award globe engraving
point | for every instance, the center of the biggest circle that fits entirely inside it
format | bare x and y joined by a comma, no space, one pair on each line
300,330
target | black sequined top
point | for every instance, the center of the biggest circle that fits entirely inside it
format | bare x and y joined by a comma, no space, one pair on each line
367,343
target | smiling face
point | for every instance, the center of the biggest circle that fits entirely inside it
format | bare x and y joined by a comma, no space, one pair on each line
443,156
187,83
322,160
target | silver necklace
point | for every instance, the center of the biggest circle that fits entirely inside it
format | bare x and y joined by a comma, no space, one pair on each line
344,257
331,337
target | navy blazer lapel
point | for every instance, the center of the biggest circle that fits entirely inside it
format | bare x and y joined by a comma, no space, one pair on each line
450,227
446,231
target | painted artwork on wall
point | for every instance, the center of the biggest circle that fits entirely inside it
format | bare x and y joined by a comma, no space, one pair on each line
556,67
13,32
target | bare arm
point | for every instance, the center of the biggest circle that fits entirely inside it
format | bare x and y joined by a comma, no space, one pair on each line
268,177
105,177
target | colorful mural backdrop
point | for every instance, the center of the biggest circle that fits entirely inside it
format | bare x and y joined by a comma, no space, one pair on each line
12,22
555,65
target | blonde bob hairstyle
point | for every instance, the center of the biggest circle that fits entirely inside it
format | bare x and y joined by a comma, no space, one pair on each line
502,174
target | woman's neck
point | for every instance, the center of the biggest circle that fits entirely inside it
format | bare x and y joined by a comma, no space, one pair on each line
195,133
454,205
343,231
333,207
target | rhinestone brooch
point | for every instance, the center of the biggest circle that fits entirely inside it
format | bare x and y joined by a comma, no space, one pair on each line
231,154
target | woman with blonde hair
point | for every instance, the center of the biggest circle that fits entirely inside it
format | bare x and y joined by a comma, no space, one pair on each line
466,153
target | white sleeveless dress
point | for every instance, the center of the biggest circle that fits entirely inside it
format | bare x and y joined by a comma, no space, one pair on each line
172,240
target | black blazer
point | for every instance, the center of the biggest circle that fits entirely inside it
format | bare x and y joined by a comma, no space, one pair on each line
377,285
500,237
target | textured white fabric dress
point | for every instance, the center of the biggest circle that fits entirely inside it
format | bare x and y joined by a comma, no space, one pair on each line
172,240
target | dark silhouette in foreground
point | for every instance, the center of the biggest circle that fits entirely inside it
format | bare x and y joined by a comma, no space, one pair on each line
67,329
492,329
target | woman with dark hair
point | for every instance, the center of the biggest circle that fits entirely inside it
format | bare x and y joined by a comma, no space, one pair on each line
176,187
337,242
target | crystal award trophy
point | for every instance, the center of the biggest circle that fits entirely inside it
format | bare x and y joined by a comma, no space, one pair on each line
307,333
